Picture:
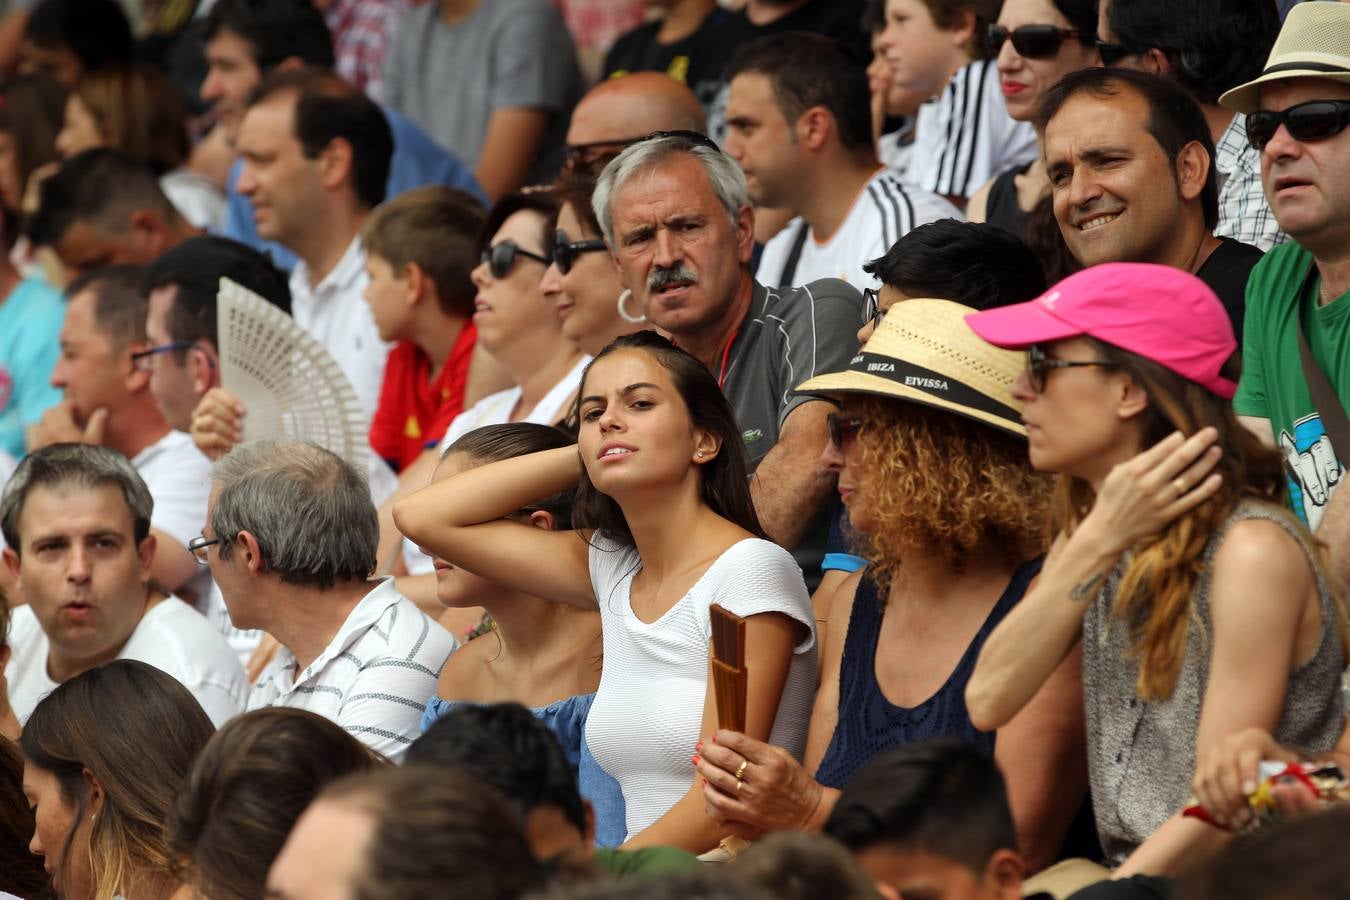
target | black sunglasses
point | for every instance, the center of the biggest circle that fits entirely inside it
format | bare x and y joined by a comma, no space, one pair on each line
1114,53
1038,364
501,256
1032,41
565,252
842,428
691,137
1315,120
872,311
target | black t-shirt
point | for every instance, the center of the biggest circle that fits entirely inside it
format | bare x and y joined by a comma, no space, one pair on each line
697,61
839,19
1226,273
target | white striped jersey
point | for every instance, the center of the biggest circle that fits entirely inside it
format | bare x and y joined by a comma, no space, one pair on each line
373,678
883,212
964,137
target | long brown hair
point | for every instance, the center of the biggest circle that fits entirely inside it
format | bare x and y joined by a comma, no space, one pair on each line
138,112
247,788
136,730
1154,596
21,873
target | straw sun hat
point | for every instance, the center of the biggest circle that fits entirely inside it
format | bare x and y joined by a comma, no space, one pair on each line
924,352
1313,43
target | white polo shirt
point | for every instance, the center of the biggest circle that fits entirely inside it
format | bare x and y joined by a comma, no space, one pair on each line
336,314
373,678
172,637
885,210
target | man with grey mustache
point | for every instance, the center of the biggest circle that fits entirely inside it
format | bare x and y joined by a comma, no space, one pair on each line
677,219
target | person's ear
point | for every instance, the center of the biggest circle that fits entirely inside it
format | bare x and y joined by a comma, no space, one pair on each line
145,551
1155,61
1193,164
205,368
250,551
136,379
543,519
745,234
1003,873
963,32
814,128
336,163
149,231
290,64
94,788
706,446
12,562
1132,398
415,282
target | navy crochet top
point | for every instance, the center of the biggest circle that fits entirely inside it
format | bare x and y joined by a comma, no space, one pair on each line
869,723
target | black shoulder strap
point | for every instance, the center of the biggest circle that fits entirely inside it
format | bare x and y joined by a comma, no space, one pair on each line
1334,420
794,256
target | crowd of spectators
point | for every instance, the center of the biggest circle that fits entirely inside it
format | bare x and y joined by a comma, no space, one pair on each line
804,448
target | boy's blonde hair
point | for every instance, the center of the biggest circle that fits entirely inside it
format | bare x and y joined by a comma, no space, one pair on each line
437,228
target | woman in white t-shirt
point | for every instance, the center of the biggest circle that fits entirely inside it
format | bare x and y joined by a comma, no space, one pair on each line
669,529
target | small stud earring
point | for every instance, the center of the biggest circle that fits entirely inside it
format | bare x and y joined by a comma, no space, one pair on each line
700,454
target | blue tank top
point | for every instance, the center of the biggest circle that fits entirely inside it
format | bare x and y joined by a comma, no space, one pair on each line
567,719
869,723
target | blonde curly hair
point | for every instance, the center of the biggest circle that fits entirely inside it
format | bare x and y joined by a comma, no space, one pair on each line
938,484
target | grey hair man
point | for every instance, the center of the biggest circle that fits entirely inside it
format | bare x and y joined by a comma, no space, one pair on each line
76,519
677,218
291,540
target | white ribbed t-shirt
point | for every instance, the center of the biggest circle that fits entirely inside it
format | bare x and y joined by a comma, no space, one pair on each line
648,711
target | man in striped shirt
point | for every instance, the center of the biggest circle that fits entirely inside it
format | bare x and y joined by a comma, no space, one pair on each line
290,537
799,124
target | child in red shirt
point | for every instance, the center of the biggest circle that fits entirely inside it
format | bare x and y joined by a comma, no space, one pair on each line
420,248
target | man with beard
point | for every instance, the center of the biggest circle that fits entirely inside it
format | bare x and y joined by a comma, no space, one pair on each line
676,215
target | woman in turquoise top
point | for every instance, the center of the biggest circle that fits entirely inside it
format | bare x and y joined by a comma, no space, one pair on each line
542,654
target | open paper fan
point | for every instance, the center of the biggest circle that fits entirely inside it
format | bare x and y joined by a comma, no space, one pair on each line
290,384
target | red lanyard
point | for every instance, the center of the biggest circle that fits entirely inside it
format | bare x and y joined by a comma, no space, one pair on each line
726,354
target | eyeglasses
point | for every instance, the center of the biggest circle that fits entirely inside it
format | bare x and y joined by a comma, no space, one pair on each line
197,547
872,311
1031,41
584,156
1315,120
565,252
692,137
842,429
501,256
1114,53
1038,364
144,360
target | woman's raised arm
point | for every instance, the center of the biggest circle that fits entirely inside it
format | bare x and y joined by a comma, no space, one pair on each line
462,519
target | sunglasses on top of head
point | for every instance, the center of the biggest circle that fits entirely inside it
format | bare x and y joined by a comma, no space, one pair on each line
1315,120
1032,41
501,256
565,252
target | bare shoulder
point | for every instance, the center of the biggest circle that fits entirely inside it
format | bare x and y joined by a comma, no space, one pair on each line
1261,548
463,673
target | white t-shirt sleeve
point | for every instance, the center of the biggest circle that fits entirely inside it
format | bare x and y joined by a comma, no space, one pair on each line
756,577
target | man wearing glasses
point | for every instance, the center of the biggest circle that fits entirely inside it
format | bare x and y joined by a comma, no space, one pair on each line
1296,114
1207,47
103,373
77,521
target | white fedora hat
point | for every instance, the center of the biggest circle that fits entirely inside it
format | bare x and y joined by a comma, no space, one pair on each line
1314,43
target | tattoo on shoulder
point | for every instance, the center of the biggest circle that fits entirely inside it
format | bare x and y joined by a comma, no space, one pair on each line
1087,589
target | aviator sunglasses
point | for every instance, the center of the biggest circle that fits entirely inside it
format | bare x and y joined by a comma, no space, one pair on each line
501,256
1315,120
565,252
1031,41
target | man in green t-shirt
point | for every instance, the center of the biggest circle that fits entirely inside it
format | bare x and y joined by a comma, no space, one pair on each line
1297,111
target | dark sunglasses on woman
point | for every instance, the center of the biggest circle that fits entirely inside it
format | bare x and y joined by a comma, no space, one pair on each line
1315,120
842,428
1031,41
565,252
501,256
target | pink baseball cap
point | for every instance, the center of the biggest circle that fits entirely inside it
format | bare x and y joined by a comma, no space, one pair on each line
1157,312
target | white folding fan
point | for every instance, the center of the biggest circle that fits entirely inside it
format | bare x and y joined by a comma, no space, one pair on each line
289,383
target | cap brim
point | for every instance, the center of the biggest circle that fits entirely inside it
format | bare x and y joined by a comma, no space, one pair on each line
1020,325
862,383
1244,97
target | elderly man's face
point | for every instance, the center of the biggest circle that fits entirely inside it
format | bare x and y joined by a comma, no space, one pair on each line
677,248
1305,181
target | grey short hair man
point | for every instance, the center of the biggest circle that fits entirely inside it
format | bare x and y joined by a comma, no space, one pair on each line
76,519
678,221
290,539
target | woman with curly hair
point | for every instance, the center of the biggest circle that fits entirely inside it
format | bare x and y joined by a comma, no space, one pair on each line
932,469
1200,604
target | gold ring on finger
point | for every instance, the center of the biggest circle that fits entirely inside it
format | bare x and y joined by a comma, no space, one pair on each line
738,786
740,773
1181,486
